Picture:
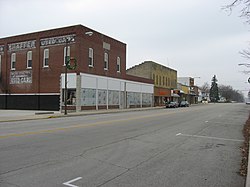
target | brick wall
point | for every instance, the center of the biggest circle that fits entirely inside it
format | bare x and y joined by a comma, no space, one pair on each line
47,79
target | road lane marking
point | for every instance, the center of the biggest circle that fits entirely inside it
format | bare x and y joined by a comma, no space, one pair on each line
80,126
71,181
86,125
209,137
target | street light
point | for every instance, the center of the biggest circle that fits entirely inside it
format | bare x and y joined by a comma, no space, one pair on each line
66,76
67,60
89,33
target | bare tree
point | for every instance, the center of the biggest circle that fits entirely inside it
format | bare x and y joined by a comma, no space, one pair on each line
230,94
244,6
205,88
245,53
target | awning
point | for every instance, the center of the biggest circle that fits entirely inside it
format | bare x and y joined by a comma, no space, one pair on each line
182,92
174,95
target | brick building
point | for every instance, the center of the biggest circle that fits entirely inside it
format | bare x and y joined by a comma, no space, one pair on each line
32,65
165,80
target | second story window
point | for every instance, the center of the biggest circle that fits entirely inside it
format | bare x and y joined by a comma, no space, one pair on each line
29,59
91,57
13,61
118,65
106,61
66,56
46,58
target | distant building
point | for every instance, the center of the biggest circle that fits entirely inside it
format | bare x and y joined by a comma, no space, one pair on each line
192,93
165,80
32,71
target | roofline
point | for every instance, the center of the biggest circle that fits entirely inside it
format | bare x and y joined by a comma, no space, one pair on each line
55,29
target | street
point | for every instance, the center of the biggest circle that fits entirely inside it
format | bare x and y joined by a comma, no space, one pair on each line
193,146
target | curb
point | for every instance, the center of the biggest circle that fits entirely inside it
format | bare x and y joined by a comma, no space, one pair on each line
248,169
45,115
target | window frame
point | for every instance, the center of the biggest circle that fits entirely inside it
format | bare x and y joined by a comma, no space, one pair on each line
29,60
106,61
91,57
118,64
46,56
65,55
13,61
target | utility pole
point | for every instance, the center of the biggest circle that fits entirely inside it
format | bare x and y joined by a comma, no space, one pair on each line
66,76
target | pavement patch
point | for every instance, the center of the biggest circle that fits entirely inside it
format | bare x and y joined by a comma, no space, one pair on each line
209,137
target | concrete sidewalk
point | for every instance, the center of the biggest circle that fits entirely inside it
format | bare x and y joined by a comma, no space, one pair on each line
22,115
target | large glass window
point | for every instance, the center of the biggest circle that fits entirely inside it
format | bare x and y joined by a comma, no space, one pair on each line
29,59
13,61
106,61
91,57
46,58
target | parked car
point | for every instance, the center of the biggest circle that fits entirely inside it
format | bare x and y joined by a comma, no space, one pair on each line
171,104
184,104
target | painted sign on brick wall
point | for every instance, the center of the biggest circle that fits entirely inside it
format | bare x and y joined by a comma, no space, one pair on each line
21,77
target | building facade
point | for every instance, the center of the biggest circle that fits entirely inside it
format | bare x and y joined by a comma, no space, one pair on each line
88,91
31,65
165,80
189,90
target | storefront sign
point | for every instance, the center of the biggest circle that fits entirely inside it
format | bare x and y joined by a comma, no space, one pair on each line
21,77
57,40
22,45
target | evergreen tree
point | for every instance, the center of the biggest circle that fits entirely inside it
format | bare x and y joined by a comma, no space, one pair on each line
214,91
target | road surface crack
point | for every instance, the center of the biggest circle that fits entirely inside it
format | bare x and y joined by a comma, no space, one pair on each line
24,167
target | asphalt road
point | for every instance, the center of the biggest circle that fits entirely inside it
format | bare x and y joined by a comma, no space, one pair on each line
195,146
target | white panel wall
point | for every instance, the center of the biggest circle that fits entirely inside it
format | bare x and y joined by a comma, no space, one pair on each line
88,81
99,83
71,79
139,87
133,87
114,84
122,83
102,83
147,88
91,81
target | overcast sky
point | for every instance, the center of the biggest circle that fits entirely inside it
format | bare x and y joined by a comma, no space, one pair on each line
195,37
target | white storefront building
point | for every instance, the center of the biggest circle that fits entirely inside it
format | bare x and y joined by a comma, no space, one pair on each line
88,91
